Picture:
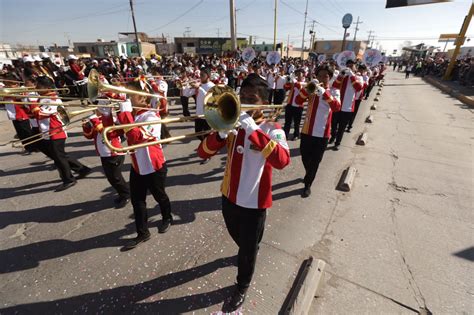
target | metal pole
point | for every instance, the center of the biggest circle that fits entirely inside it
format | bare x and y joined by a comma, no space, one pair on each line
232,25
288,46
344,39
135,28
275,27
304,29
459,42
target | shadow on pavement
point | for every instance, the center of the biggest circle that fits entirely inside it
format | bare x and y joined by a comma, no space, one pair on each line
127,299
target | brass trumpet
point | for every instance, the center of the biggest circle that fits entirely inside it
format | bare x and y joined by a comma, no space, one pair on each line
222,109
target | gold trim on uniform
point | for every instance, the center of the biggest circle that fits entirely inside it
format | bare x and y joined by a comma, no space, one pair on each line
269,148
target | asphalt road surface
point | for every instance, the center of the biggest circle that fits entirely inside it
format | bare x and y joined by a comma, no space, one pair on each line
401,240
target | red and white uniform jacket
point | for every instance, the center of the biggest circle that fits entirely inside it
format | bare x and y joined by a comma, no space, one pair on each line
48,118
223,80
200,93
348,85
319,113
93,130
296,88
365,81
16,111
250,158
160,87
148,159
31,98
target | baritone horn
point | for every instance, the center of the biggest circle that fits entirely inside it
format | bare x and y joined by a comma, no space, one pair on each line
222,109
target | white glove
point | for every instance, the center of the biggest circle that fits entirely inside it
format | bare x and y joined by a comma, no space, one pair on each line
247,123
320,90
222,135
126,106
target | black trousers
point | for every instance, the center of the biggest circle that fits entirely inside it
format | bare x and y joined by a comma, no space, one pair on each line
112,166
368,90
201,125
246,228
312,151
279,96
165,132
139,186
354,114
64,163
271,93
23,130
185,103
339,124
292,115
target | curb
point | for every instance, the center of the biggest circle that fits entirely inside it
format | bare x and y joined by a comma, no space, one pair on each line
306,287
453,92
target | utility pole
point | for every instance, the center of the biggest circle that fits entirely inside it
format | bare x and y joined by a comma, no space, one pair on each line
357,28
135,28
312,35
232,25
459,42
288,46
304,29
218,32
187,31
275,27
369,38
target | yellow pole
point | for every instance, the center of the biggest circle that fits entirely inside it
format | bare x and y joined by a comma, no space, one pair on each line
275,27
459,42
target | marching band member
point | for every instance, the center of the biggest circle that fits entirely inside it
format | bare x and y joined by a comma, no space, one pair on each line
317,126
222,77
294,108
271,78
252,152
362,76
348,83
184,99
148,171
200,90
280,82
50,122
19,115
111,161
160,87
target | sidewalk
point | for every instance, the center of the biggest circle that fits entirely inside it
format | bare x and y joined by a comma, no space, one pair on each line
462,93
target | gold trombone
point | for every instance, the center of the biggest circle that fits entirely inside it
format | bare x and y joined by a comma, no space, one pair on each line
31,89
65,117
222,109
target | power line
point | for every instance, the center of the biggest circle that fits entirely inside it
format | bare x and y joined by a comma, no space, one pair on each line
178,17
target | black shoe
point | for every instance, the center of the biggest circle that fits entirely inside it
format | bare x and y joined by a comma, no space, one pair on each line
137,241
121,202
295,138
348,130
235,301
83,173
336,147
306,192
205,161
332,140
165,226
65,186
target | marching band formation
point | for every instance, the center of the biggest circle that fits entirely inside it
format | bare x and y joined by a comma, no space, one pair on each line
128,100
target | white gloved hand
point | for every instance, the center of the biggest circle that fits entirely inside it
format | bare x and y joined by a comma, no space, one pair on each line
247,123
223,135
126,106
320,90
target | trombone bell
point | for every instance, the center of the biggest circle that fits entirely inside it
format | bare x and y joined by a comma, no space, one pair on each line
221,108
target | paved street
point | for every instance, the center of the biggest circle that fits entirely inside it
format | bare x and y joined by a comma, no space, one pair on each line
401,240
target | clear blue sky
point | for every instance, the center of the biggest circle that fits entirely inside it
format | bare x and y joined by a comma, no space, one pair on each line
45,22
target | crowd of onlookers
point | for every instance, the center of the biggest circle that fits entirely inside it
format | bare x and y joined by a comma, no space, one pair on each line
463,71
